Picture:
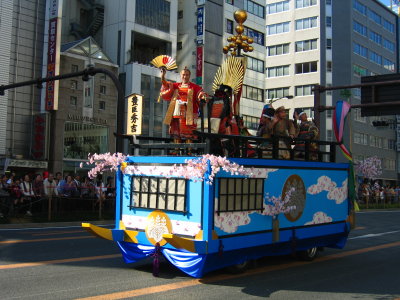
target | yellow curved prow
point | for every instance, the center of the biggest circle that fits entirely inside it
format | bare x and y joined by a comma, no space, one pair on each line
180,243
101,232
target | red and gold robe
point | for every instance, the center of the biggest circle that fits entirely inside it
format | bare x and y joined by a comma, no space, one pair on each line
183,110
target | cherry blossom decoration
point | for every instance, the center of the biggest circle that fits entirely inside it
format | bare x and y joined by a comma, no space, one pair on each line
194,169
104,162
370,167
273,206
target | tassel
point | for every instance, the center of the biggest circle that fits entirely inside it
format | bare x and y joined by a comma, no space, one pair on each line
156,262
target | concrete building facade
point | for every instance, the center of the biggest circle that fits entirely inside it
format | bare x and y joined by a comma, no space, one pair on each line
333,44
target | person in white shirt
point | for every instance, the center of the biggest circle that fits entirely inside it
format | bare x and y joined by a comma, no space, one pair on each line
50,187
27,193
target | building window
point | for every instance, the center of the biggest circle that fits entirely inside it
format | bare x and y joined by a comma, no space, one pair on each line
305,3
329,135
253,93
329,66
329,92
255,64
251,122
356,92
359,71
278,93
361,8
83,138
388,45
180,14
360,28
306,45
306,67
328,21
154,14
239,194
328,2
278,28
278,49
254,8
74,68
179,46
278,71
73,100
374,16
388,64
103,89
278,7
158,193
229,2
358,117
391,144
102,105
257,36
388,26
329,114
360,50
74,85
306,23
375,57
304,90
360,138
390,164
375,37
229,26
328,43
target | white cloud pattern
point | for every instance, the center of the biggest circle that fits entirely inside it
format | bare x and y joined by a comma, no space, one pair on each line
339,194
319,217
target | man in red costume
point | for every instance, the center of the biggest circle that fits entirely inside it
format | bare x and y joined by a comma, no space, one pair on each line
183,110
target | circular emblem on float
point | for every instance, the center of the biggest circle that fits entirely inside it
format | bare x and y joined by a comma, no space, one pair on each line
158,224
295,186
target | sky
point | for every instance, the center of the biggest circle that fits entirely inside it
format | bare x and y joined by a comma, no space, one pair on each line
386,2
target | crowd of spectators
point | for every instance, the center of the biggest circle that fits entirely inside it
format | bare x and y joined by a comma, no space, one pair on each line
376,193
19,193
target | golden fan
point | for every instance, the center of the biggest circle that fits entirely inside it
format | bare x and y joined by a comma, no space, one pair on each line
231,73
164,61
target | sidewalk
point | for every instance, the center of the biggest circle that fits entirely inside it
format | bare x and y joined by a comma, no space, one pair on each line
54,224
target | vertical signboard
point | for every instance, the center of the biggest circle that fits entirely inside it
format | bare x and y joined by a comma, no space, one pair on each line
39,136
200,25
134,116
53,53
199,65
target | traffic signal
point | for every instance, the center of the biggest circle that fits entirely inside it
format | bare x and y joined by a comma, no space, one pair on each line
380,123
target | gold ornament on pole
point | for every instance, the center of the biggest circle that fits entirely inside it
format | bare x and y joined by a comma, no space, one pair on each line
239,41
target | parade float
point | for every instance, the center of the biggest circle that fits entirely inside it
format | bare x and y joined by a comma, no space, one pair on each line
225,199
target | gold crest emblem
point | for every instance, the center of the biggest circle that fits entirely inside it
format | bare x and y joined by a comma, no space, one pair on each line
158,223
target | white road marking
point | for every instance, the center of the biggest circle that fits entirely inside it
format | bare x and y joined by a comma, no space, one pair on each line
370,235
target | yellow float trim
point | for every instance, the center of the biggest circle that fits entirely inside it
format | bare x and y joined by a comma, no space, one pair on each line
101,232
180,243
130,236
199,235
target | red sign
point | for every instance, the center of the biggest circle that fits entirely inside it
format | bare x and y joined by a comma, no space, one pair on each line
51,63
39,136
199,62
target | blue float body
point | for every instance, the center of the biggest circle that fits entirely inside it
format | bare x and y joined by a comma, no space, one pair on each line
323,222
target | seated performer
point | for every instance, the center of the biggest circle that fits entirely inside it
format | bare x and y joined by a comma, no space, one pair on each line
265,130
183,110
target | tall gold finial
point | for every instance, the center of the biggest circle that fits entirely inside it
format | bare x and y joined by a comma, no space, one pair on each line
239,41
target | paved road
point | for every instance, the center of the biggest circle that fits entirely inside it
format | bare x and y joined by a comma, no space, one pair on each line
68,263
